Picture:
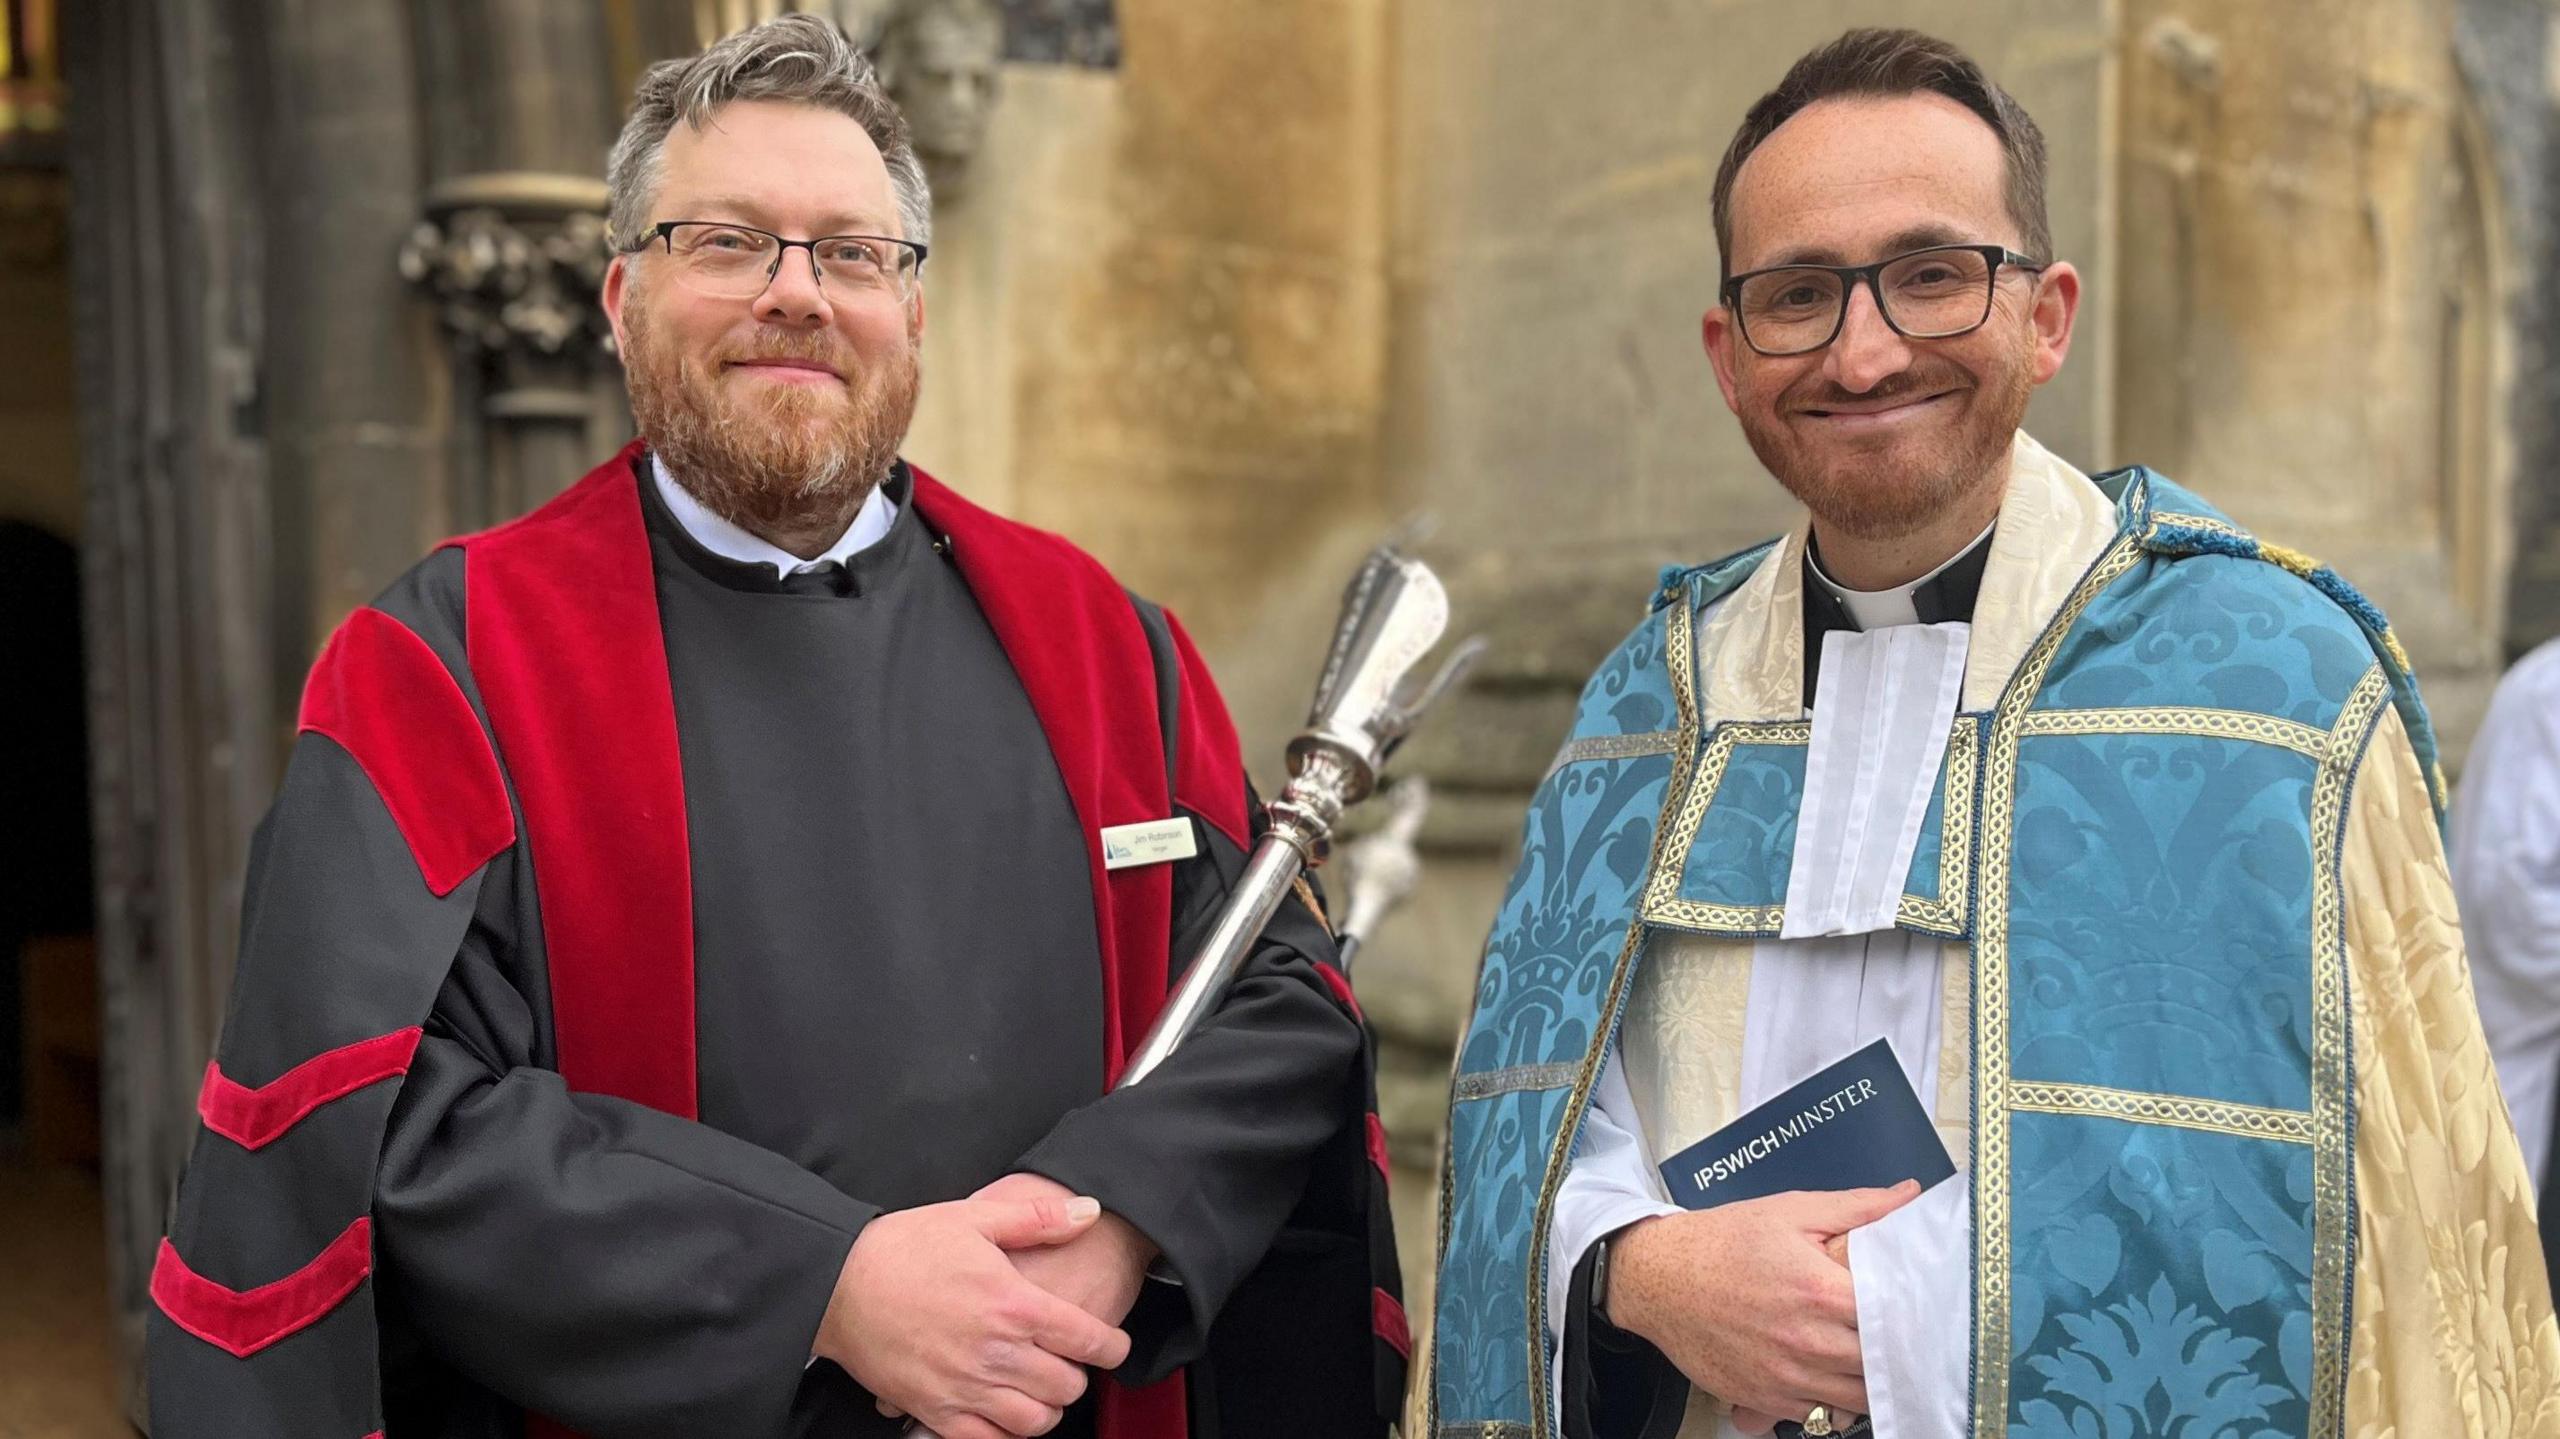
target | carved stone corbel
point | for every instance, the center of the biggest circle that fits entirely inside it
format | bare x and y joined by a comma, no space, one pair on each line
512,261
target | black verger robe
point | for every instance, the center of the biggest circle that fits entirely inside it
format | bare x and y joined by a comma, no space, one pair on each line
632,927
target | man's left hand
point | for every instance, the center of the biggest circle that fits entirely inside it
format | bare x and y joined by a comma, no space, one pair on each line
1100,1271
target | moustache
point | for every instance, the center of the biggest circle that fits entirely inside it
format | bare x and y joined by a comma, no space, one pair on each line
1823,395
809,349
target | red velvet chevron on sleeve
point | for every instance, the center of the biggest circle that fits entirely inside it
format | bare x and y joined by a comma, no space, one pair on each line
382,695
254,1118
1387,1320
243,1321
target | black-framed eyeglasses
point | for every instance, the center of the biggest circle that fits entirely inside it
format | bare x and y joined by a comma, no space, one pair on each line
1931,294
736,262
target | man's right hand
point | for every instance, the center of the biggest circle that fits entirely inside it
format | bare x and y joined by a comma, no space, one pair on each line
931,1317
1745,1300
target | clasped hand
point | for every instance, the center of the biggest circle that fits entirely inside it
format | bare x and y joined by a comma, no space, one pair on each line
980,1317
1753,1300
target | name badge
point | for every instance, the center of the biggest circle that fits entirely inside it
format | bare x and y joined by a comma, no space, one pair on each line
1154,841
1856,1125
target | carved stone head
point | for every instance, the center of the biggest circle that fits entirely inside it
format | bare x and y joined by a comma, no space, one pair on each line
940,60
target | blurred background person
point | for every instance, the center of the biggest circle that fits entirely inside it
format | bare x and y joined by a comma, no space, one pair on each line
2505,838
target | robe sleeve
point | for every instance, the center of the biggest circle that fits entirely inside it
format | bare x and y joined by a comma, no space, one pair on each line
2451,1327
1210,1154
1912,1269
616,1268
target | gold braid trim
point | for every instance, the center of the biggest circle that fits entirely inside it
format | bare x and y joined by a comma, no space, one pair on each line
2249,1121
2203,723
2201,522
1991,995
2330,1097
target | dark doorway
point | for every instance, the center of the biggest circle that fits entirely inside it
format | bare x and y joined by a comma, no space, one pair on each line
57,1361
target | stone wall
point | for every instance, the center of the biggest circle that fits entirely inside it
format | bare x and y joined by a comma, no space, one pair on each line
2507,49
1158,317
2312,331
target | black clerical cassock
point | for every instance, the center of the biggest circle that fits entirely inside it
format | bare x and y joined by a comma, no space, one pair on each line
633,925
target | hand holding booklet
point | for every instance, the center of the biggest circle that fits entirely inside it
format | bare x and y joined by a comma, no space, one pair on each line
1855,1125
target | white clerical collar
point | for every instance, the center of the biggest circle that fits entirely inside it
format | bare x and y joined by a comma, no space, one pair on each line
1877,609
732,542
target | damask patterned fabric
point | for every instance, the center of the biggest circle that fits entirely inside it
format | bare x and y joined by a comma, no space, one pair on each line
2239,1163
2453,1330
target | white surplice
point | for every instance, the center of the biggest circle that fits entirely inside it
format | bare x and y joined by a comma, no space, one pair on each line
1838,978
2505,833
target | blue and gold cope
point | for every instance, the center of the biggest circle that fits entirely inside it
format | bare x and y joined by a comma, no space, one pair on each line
2141,843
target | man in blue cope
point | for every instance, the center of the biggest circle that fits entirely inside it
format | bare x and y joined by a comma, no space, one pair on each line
2119,825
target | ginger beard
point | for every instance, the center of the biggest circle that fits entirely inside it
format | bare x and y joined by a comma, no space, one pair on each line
768,459
1896,485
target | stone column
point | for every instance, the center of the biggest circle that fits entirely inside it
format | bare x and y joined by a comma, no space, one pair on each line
2505,48
513,261
355,399
2315,306
520,105
164,142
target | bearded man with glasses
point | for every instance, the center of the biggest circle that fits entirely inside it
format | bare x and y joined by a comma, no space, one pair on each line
2109,827
684,971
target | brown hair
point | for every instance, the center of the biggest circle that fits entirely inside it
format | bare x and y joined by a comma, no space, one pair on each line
1885,63
795,57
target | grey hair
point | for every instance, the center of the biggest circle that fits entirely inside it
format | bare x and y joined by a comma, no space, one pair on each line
799,58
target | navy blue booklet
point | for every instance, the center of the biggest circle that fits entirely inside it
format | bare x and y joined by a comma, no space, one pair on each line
1855,1125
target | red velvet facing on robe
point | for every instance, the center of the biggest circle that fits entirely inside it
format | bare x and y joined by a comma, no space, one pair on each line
563,637
565,640
381,694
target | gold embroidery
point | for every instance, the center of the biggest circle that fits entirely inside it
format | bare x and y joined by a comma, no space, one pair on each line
2399,657
1615,746
1946,915
1726,919
1484,1429
2249,1121
2205,723
1517,1078
2329,1041
2286,557
1991,998
1662,888
2198,522
1440,1254
1679,656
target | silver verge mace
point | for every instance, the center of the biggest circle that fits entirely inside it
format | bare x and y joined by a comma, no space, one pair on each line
1367,700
